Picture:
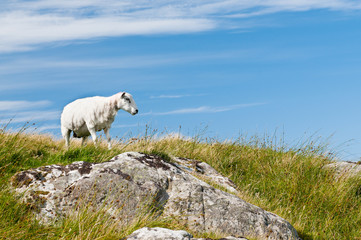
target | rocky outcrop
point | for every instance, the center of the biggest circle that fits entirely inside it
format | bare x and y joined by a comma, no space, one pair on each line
131,181
344,169
167,234
206,172
159,234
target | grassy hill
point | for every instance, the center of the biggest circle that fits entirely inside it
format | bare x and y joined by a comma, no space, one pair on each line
290,182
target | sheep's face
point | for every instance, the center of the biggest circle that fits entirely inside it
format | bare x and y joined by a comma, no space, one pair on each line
127,103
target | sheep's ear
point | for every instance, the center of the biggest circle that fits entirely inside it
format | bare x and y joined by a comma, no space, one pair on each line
123,95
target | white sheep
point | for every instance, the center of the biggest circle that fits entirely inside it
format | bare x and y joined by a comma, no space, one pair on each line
87,116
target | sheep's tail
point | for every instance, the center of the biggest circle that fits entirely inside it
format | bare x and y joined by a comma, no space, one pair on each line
64,131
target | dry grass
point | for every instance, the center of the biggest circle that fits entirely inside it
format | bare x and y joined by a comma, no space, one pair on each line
290,182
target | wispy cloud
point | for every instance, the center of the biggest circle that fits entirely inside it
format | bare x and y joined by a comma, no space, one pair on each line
26,24
19,65
127,125
30,116
21,105
26,111
204,109
175,96
46,127
24,31
169,96
127,62
25,64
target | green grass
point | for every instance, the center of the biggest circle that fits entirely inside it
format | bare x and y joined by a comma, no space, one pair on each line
290,182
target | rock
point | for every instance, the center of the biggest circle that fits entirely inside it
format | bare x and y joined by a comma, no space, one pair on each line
344,169
167,234
228,238
208,172
159,234
130,181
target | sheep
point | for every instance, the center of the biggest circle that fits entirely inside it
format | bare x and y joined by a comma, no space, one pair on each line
87,116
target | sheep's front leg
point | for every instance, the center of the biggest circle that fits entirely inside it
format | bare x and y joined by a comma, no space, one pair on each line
106,132
94,135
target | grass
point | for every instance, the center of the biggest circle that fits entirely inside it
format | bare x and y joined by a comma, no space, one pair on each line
290,182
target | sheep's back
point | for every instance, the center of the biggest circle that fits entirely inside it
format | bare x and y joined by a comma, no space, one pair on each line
77,113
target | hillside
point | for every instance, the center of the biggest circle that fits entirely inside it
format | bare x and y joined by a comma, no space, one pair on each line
291,183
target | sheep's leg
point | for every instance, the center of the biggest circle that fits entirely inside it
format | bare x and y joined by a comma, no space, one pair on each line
84,140
106,132
66,135
94,135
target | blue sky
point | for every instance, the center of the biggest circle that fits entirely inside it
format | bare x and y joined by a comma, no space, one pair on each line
250,67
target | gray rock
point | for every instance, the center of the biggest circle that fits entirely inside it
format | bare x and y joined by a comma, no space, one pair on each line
158,233
206,171
344,169
230,238
132,180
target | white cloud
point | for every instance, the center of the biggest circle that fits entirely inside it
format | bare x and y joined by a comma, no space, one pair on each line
26,24
23,31
169,96
204,109
21,105
24,65
26,111
126,62
127,125
175,96
43,128
20,65
30,116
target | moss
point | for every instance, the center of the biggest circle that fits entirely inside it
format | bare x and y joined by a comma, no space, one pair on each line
164,156
20,179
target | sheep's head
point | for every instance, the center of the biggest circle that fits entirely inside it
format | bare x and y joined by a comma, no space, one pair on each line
126,102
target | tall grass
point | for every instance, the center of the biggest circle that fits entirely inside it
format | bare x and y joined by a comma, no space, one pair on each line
288,181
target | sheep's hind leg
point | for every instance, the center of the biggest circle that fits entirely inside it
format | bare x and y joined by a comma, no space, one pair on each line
84,141
66,135
94,135
106,132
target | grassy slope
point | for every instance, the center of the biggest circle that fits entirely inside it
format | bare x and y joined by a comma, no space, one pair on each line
290,183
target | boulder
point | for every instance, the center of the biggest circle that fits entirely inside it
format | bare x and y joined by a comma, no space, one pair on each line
205,171
158,233
133,181
344,169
